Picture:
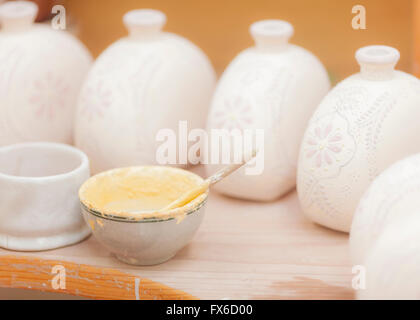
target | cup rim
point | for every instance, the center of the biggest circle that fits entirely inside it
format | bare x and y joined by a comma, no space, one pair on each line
176,213
84,161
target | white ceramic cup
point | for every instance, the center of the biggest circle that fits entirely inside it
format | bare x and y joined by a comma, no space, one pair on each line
39,206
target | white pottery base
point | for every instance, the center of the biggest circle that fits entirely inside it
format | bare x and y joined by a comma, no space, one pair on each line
43,243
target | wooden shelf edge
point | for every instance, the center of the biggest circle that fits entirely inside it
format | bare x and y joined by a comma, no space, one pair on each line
81,280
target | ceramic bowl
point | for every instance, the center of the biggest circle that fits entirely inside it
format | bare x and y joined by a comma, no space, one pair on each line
133,238
39,208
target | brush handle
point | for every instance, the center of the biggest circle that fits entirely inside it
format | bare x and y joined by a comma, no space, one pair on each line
219,175
222,173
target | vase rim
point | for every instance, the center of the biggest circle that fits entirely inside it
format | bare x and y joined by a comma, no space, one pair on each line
377,55
144,21
272,28
16,14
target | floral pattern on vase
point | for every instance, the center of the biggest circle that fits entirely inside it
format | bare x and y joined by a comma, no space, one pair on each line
328,146
273,86
48,95
369,109
41,71
151,79
103,99
235,113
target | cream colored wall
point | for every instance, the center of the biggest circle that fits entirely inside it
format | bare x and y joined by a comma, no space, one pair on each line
220,27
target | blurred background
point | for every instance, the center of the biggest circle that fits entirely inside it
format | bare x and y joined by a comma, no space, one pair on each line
220,27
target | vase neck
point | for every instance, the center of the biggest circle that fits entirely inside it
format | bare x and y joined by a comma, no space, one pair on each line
144,23
271,34
17,15
377,62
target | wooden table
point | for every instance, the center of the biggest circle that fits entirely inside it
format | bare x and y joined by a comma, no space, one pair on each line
243,250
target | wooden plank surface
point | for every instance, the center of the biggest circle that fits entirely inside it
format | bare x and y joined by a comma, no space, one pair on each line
243,250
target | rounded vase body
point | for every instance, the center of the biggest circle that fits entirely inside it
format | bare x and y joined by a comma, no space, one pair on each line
41,72
367,122
148,81
391,197
392,265
272,87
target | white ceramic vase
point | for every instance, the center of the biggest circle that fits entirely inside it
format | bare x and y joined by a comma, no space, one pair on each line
367,122
39,205
391,197
391,268
41,72
273,86
145,82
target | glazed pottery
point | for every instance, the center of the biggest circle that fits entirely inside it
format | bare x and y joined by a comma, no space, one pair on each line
131,237
41,71
391,269
39,207
392,196
273,86
143,83
366,123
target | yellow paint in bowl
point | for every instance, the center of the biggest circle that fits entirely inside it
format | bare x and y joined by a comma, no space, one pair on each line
140,192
